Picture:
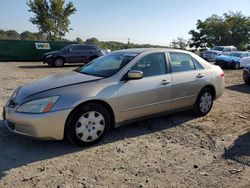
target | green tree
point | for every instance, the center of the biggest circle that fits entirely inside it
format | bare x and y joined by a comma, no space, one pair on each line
26,35
12,34
92,41
51,17
229,29
2,34
79,40
179,43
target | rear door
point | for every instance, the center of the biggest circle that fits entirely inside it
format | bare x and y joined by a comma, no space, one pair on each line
149,95
188,77
74,54
86,53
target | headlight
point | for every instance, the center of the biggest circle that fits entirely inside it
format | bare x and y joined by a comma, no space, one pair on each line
48,56
38,106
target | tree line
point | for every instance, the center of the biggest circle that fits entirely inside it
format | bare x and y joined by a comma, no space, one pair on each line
26,35
112,45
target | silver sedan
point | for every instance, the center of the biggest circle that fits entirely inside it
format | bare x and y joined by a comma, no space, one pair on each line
117,88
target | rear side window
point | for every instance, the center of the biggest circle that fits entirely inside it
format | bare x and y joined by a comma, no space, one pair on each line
181,62
87,48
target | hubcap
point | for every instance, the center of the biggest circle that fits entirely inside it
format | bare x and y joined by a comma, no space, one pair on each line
90,126
59,62
205,102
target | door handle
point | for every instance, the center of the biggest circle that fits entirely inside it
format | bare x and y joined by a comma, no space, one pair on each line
165,82
200,75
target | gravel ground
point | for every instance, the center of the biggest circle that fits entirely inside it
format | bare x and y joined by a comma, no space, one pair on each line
178,150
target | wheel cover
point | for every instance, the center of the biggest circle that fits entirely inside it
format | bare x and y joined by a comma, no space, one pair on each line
90,126
59,62
205,102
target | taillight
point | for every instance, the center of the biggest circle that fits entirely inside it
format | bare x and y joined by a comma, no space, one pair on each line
222,75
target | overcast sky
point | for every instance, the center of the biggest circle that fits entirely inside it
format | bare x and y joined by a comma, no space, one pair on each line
143,21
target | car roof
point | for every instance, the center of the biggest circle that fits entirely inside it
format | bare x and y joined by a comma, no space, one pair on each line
93,45
142,50
239,52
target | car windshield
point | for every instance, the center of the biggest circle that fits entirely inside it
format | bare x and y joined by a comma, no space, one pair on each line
235,54
65,48
218,48
107,65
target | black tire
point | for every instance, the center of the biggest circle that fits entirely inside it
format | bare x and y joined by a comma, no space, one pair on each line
198,108
59,62
236,66
247,81
73,123
51,64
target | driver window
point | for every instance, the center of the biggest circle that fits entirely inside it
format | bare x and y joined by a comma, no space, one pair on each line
151,65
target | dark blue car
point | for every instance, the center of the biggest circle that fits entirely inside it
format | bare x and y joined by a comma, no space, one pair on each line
235,59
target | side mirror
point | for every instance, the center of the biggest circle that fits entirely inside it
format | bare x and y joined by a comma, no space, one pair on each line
135,74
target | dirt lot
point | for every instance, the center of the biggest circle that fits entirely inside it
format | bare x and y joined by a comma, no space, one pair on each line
178,150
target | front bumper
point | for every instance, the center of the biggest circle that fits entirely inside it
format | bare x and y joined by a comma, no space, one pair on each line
48,60
47,126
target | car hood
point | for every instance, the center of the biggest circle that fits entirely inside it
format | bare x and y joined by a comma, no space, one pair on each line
51,53
53,82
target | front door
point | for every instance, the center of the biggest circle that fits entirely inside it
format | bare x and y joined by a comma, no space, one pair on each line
149,95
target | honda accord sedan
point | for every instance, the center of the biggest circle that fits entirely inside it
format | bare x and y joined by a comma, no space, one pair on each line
114,89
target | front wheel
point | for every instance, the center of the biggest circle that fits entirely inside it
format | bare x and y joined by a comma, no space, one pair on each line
59,62
88,124
204,102
247,81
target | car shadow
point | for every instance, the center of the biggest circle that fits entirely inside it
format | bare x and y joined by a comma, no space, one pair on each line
240,88
240,150
46,66
17,150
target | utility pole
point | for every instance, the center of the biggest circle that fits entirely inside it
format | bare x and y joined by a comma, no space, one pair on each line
128,40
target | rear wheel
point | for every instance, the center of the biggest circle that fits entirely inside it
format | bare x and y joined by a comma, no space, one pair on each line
88,124
59,62
204,102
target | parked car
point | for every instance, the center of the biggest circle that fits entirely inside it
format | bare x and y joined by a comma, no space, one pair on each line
234,59
246,74
210,55
117,88
75,53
